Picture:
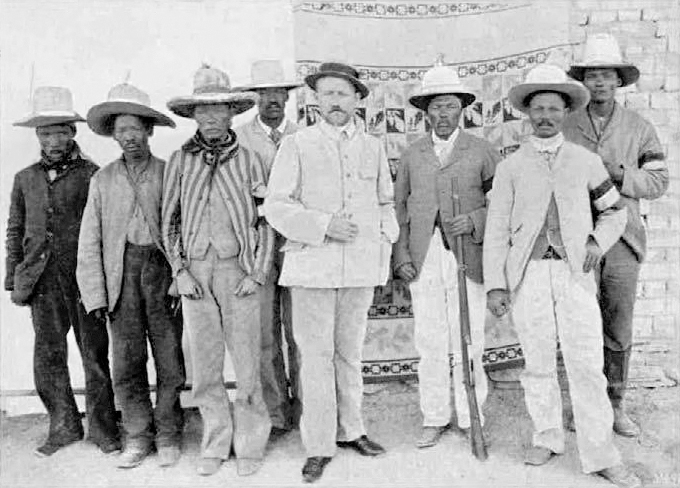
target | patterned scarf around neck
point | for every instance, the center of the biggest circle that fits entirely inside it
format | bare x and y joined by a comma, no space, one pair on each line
71,155
214,152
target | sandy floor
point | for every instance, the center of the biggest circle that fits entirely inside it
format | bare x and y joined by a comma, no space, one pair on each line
393,418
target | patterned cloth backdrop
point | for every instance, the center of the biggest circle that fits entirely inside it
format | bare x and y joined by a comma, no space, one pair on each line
393,44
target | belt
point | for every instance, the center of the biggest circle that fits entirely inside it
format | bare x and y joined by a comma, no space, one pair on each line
551,253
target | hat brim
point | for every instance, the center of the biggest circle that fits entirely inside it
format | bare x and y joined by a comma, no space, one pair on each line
422,101
99,116
240,101
37,120
629,74
313,78
577,93
288,85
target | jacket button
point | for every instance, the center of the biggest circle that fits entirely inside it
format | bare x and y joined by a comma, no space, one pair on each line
50,210
42,256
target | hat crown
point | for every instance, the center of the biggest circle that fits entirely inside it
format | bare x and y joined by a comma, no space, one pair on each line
210,80
339,68
602,49
129,93
440,76
52,99
546,74
266,72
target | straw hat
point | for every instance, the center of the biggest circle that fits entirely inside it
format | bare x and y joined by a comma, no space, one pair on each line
441,80
51,105
211,86
268,74
602,51
124,99
337,70
546,77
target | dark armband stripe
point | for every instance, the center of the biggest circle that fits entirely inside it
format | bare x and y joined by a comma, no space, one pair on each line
603,188
487,184
650,156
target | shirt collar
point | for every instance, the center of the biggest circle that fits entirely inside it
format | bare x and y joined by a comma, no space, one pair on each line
547,144
335,132
438,141
267,129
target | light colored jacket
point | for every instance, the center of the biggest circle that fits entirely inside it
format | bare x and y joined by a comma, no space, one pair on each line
253,136
630,141
311,181
424,187
103,232
519,202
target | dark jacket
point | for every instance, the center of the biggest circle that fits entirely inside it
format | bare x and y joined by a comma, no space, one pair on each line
44,223
424,188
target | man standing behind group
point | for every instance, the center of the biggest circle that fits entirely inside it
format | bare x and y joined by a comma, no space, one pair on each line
122,271
45,213
445,162
330,194
221,254
263,135
634,158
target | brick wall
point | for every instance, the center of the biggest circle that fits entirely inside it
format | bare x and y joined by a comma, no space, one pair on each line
649,34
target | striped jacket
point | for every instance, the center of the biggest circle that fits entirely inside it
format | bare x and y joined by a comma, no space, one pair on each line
519,200
187,180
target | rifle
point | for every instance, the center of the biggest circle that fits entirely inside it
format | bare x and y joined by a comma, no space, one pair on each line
476,434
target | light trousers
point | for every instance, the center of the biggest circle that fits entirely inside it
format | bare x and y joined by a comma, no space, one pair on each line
434,296
329,325
218,318
553,303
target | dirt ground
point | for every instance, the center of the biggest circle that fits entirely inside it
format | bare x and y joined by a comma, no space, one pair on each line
393,418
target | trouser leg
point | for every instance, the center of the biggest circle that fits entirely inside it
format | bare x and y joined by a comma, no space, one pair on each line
293,356
165,336
534,319
618,277
578,324
314,315
350,329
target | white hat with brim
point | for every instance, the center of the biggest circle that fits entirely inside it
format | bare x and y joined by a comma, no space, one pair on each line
124,99
268,74
548,78
602,51
211,87
52,105
441,80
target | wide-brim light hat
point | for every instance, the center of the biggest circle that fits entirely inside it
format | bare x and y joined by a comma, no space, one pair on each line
550,78
337,70
124,99
601,51
441,80
51,105
211,86
268,73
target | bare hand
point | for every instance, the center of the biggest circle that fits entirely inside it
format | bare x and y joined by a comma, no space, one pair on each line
593,255
342,229
461,224
187,286
406,272
246,287
498,302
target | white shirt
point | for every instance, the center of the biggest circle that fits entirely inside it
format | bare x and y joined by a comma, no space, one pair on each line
443,147
268,130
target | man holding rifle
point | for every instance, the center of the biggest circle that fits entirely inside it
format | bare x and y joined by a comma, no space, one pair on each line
540,249
432,170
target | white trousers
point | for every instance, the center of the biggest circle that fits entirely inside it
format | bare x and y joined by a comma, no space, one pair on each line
552,304
437,335
329,326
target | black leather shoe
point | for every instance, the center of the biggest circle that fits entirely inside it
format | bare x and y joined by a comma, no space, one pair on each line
313,468
364,446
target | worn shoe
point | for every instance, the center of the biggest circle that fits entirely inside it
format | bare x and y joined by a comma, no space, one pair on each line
276,433
246,467
364,446
624,425
621,476
208,466
52,445
168,456
430,435
132,457
109,446
313,468
537,455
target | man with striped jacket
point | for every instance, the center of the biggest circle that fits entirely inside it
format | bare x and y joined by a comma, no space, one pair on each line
221,253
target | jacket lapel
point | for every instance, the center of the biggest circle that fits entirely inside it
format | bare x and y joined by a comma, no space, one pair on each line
584,125
427,149
460,146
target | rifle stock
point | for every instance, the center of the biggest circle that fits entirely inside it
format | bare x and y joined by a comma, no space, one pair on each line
476,435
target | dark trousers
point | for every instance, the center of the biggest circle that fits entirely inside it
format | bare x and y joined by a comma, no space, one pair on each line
55,308
143,311
618,277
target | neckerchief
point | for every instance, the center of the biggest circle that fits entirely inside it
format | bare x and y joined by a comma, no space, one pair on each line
60,166
214,153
